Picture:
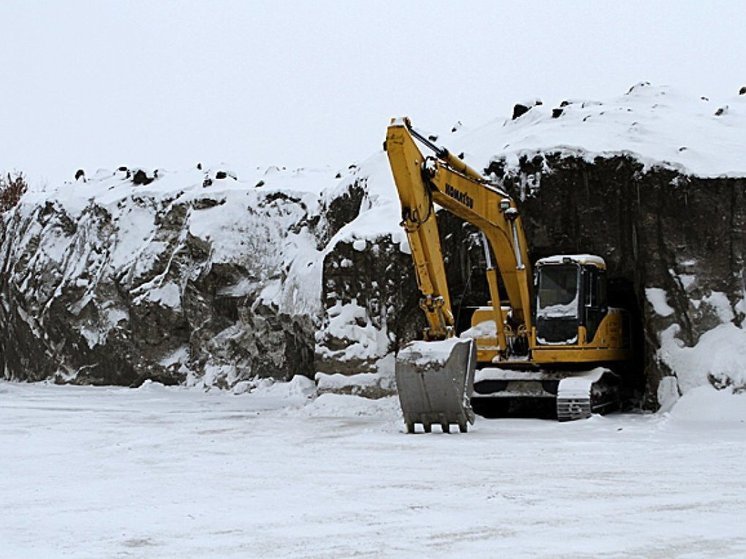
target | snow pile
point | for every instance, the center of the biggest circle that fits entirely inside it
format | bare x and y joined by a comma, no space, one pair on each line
706,405
341,405
657,125
298,391
718,358
657,298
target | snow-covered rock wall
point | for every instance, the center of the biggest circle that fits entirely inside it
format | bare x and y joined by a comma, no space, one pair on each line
192,277
654,182
199,277
674,247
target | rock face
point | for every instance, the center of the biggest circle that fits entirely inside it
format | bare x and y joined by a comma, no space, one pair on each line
201,278
371,300
218,286
657,230
170,284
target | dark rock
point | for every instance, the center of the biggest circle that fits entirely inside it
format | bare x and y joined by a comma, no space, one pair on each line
556,113
221,175
141,178
742,91
637,86
519,110
206,203
343,209
207,182
721,111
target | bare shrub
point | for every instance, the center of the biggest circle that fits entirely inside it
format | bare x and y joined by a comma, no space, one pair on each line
12,187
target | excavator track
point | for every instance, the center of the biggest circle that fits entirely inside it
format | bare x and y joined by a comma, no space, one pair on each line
576,395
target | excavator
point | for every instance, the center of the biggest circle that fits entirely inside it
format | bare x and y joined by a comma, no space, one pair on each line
546,335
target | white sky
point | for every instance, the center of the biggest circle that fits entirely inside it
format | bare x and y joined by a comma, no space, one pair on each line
166,84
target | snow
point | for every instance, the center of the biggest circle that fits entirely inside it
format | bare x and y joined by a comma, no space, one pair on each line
380,212
560,310
351,322
173,472
429,353
667,393
721,305
167,295
687,280
579,385
719,354
582,259
658,298
361,384
718,408
484,329
658,125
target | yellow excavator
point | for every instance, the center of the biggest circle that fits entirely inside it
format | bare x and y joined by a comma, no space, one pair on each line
551,337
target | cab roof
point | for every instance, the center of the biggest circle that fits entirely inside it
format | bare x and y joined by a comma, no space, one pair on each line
581,259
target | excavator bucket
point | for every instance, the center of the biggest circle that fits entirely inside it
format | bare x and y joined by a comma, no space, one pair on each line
435,381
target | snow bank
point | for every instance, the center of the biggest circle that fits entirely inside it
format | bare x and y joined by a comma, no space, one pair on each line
719,357
704,404
657,125
342,405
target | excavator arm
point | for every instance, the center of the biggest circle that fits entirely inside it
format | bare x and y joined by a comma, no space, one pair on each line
447,181
419,222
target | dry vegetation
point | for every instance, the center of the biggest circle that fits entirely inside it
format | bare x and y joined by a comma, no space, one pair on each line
12,187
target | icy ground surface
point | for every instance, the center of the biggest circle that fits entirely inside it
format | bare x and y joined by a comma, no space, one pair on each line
156,472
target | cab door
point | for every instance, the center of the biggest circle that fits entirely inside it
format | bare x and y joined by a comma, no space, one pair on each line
595,302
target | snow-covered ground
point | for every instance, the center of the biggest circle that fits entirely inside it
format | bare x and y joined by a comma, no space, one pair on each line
176,472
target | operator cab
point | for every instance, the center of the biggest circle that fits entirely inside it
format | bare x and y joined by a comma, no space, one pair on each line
570,294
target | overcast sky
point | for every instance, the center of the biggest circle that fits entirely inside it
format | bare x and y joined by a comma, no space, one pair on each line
166,84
